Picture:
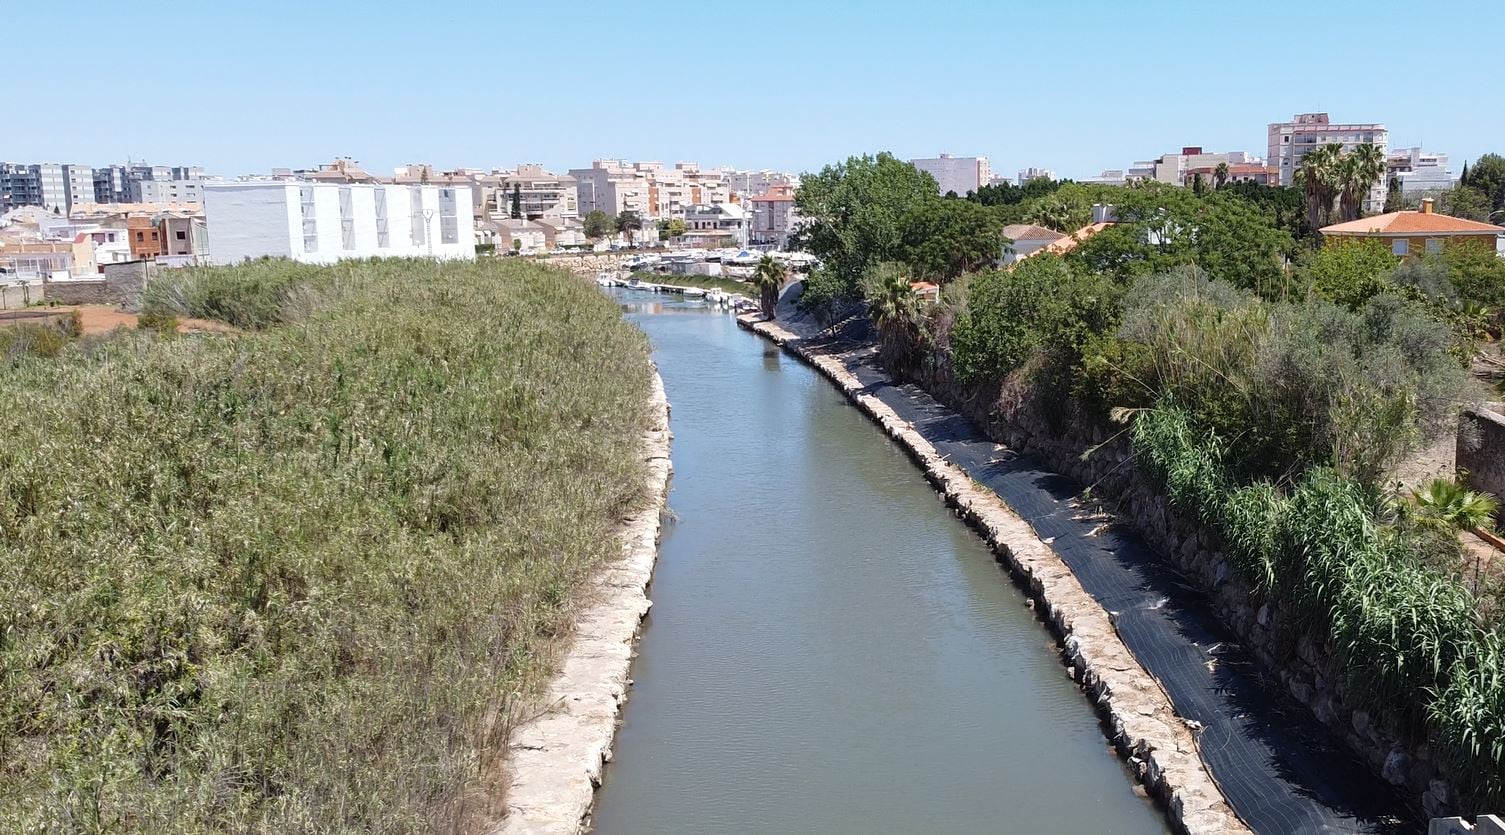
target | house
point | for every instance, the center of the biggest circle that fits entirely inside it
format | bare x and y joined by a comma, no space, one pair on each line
714,225
1103,216
1423,232
1023,239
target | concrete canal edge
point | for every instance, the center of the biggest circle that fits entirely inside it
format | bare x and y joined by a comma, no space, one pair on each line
1157,743
554,761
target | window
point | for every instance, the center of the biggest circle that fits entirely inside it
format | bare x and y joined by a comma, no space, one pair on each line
140,236
182,236
1400,246
419,219
383,237
449,221
1434,246
310,220
347,219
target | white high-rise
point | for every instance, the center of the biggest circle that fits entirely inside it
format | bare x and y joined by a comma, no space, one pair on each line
1291,141
956,174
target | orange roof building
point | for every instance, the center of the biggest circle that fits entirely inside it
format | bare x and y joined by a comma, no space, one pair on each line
1418,232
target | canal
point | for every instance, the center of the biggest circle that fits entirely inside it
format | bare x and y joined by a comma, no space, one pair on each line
830,650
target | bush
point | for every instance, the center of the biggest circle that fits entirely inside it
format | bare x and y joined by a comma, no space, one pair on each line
1349,273
257,294
1408,634
303,573
1037,306
31,340
156,320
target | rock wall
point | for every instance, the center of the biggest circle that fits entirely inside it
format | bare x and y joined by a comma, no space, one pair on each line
1481,448
1393,745
554,761
1144,726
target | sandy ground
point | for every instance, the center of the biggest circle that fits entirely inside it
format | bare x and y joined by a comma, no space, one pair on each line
103,318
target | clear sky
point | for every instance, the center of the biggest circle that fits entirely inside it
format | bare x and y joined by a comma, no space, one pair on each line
241,85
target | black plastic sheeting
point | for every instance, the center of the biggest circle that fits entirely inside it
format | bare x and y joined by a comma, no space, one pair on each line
1281,769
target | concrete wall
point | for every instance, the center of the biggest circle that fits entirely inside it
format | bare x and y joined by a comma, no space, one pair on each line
121,284
15,296
1481,448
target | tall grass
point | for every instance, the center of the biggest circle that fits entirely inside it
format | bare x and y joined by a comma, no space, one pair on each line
301,579
1409,635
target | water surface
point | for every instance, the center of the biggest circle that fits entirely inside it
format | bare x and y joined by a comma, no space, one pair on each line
830,650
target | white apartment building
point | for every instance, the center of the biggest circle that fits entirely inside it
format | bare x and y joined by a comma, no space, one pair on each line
611,186
958,174
320,223
1173,168
1291,141
1419,171
541,193
648,188
1032,173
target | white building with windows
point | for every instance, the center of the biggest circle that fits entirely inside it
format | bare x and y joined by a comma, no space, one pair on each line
320,223
1291,141
956,174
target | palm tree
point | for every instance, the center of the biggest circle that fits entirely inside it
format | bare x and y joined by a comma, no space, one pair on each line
1358,171
895,311
1053,213
1446,505
1220,175
1318,178
768,278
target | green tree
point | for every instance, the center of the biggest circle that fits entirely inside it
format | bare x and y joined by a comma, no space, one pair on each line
517,201
768,279
629,223
1220,175
1349,273
675,227
598,224
1488,176
1357,173
854,213
945,238
1395,199
1318,179
1466,202
1058,212
895,311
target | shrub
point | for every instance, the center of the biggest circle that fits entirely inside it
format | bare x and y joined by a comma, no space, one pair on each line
1037,306
303,573
157,320
1349,273
31,340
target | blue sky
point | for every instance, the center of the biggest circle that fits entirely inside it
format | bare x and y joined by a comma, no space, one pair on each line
241,86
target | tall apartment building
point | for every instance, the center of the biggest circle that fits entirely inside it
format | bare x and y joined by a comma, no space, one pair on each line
111,184
1032,173
648,188
147,184
321,223
774,217
52,186
542,193
1291,141
958,174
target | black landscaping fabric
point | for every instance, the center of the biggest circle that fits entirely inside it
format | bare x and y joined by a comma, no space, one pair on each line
1281,770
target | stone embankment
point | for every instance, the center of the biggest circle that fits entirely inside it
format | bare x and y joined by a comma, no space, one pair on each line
587,264
554,761
1158,744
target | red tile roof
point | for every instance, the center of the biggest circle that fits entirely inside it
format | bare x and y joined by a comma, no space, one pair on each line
1397,224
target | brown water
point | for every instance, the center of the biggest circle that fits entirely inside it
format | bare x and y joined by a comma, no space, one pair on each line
830,650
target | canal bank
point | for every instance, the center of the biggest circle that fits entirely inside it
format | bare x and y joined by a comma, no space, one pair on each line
1274,762
555,758
1160,747
830,649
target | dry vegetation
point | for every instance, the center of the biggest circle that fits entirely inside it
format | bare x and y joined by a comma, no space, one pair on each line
296,579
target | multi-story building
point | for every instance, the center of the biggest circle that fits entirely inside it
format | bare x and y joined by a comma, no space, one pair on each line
961,175
541,193
750,183
1181,168
80,185
142,184
1032,173
611,186
1419,171
46,185
774,218
715,225
1290,142
112,184
319,222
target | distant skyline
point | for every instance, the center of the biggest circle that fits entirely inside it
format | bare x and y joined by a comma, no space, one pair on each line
243,88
